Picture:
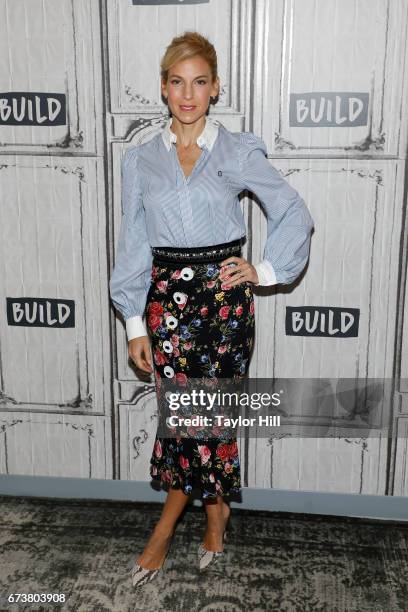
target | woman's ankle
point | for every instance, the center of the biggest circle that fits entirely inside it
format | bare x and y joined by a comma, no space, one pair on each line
213,531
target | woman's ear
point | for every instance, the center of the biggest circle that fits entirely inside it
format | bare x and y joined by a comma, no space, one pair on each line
216,87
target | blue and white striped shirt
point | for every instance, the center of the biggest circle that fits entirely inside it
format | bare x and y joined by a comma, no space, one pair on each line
161,207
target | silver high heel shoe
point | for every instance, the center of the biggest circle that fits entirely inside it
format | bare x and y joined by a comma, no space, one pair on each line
141,576
210,557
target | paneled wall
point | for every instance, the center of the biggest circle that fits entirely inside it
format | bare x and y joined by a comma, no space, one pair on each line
324,84
55,389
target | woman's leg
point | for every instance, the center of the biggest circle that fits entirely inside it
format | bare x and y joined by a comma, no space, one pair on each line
217,512
156,548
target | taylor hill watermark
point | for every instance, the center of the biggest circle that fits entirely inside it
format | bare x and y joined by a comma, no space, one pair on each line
221,421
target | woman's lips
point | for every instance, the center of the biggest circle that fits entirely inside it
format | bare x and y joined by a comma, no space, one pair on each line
187,108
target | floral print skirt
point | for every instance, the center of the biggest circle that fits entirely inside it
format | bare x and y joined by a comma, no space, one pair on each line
199,328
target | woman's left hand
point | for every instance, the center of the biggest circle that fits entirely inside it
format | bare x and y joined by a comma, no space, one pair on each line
241,272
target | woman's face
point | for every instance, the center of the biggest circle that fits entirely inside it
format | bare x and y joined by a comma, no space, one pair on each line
188,89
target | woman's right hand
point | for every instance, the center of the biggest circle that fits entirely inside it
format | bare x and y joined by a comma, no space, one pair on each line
139,352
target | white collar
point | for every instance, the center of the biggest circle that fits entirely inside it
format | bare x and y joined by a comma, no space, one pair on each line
206,138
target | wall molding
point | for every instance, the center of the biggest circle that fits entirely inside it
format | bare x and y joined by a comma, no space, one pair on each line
380,507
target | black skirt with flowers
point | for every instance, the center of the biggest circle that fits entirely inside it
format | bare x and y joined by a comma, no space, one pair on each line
199,328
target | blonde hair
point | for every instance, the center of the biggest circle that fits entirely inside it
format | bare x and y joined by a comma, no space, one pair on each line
188,45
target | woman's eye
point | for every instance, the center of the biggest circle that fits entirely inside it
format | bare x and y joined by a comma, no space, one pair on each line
176,81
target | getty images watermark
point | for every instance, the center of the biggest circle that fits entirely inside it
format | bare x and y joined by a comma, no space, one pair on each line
214,401
284,407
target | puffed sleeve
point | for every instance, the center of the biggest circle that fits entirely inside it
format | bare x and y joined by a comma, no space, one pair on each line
131,275
289,222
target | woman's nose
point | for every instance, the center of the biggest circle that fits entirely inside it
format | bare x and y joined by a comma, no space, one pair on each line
188,93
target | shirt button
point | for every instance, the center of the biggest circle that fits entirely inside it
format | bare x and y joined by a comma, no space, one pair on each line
187,274
179,297
167,346
171,322
168,371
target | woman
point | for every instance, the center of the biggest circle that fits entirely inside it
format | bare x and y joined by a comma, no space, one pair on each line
179,259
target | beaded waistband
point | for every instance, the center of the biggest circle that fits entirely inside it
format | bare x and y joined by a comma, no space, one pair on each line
214,253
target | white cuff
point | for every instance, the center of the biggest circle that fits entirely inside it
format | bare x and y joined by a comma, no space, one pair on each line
135,327
266,273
